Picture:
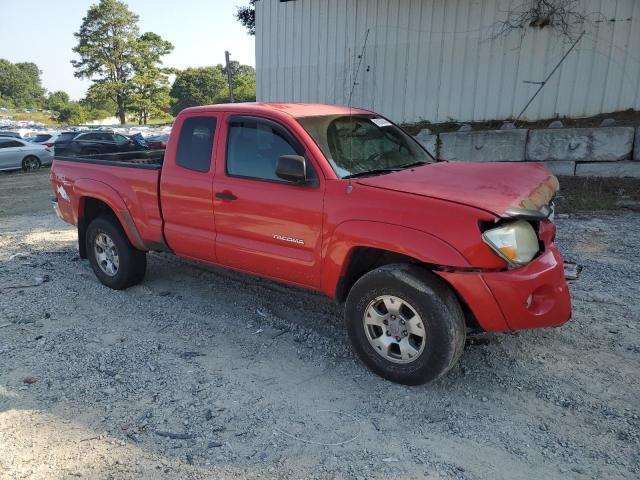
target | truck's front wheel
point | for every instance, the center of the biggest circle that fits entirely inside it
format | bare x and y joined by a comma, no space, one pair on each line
116,263
405,324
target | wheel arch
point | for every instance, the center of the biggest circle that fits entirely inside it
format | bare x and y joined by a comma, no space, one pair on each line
361,260
357,247
96,199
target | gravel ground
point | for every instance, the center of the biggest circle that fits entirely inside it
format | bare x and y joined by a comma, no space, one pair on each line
203,373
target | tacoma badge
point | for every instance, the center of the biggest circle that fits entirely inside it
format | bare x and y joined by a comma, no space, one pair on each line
299,241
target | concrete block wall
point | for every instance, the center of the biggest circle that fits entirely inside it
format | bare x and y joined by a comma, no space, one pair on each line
604,151
608,144
428,140
484,146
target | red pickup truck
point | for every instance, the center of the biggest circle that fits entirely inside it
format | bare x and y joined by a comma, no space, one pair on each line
341,201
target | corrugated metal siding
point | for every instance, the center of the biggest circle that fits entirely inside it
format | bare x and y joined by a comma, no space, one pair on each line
435,59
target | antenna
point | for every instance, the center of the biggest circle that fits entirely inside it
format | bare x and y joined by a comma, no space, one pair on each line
354,82
350,116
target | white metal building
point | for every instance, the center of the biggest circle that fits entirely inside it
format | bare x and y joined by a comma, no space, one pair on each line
436,59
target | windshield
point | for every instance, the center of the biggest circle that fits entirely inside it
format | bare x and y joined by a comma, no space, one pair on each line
363,144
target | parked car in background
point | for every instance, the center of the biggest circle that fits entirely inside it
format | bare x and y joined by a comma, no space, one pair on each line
18,154
98,143
5,133
46,139
61,143
158,142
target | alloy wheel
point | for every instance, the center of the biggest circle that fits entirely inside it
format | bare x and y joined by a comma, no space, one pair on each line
394,329
106,254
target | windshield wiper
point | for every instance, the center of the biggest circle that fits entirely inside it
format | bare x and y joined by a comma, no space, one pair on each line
380,171
377,171
414,164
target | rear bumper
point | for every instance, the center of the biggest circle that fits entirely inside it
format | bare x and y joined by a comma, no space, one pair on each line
56,208
534,296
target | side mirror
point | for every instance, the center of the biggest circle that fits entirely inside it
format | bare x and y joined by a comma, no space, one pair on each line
292,168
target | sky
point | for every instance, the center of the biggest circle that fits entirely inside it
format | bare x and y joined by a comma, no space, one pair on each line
41,31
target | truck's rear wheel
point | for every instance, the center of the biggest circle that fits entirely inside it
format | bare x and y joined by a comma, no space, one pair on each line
116,263
405,324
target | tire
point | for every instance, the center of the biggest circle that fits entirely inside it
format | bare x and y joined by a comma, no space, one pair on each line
109,247
428,328
31,163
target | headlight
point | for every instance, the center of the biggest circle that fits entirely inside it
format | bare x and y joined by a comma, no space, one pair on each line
516,242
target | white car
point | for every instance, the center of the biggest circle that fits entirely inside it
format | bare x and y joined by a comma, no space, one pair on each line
18,154
46,139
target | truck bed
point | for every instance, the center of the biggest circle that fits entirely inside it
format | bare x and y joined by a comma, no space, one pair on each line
149,159
129,179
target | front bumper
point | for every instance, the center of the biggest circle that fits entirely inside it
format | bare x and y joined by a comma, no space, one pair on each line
534,296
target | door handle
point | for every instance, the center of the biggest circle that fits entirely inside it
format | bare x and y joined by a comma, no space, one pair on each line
226,195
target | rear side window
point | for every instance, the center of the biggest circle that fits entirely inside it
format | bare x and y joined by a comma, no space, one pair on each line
10,144
65,137
41,138
120,138
196,143
89,137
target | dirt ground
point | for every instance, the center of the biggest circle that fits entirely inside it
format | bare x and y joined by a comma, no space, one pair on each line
201,373
21,193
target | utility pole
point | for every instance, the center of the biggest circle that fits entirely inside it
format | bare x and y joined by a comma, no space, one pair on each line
226,56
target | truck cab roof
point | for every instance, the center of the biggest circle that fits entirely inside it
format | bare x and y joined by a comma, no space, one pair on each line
295,110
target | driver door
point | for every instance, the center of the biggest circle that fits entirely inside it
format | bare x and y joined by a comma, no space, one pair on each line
266,225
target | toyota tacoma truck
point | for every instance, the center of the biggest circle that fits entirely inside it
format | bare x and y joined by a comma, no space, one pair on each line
337,200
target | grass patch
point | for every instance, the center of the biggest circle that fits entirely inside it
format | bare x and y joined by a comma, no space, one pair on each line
584,194
40,117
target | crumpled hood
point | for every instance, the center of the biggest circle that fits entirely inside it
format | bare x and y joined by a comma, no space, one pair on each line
491,186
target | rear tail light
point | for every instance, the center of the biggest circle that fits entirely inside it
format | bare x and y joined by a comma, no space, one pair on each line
49,145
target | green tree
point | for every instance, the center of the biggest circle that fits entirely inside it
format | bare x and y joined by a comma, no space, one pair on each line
95,106
57,100
94,99
244,87
243,78
150,83
237,69
110,48
20,84
247,17
72,113
198,86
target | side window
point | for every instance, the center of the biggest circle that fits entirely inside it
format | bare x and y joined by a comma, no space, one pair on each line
196,143
4,144
88,136
65,137
253,149
120,138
